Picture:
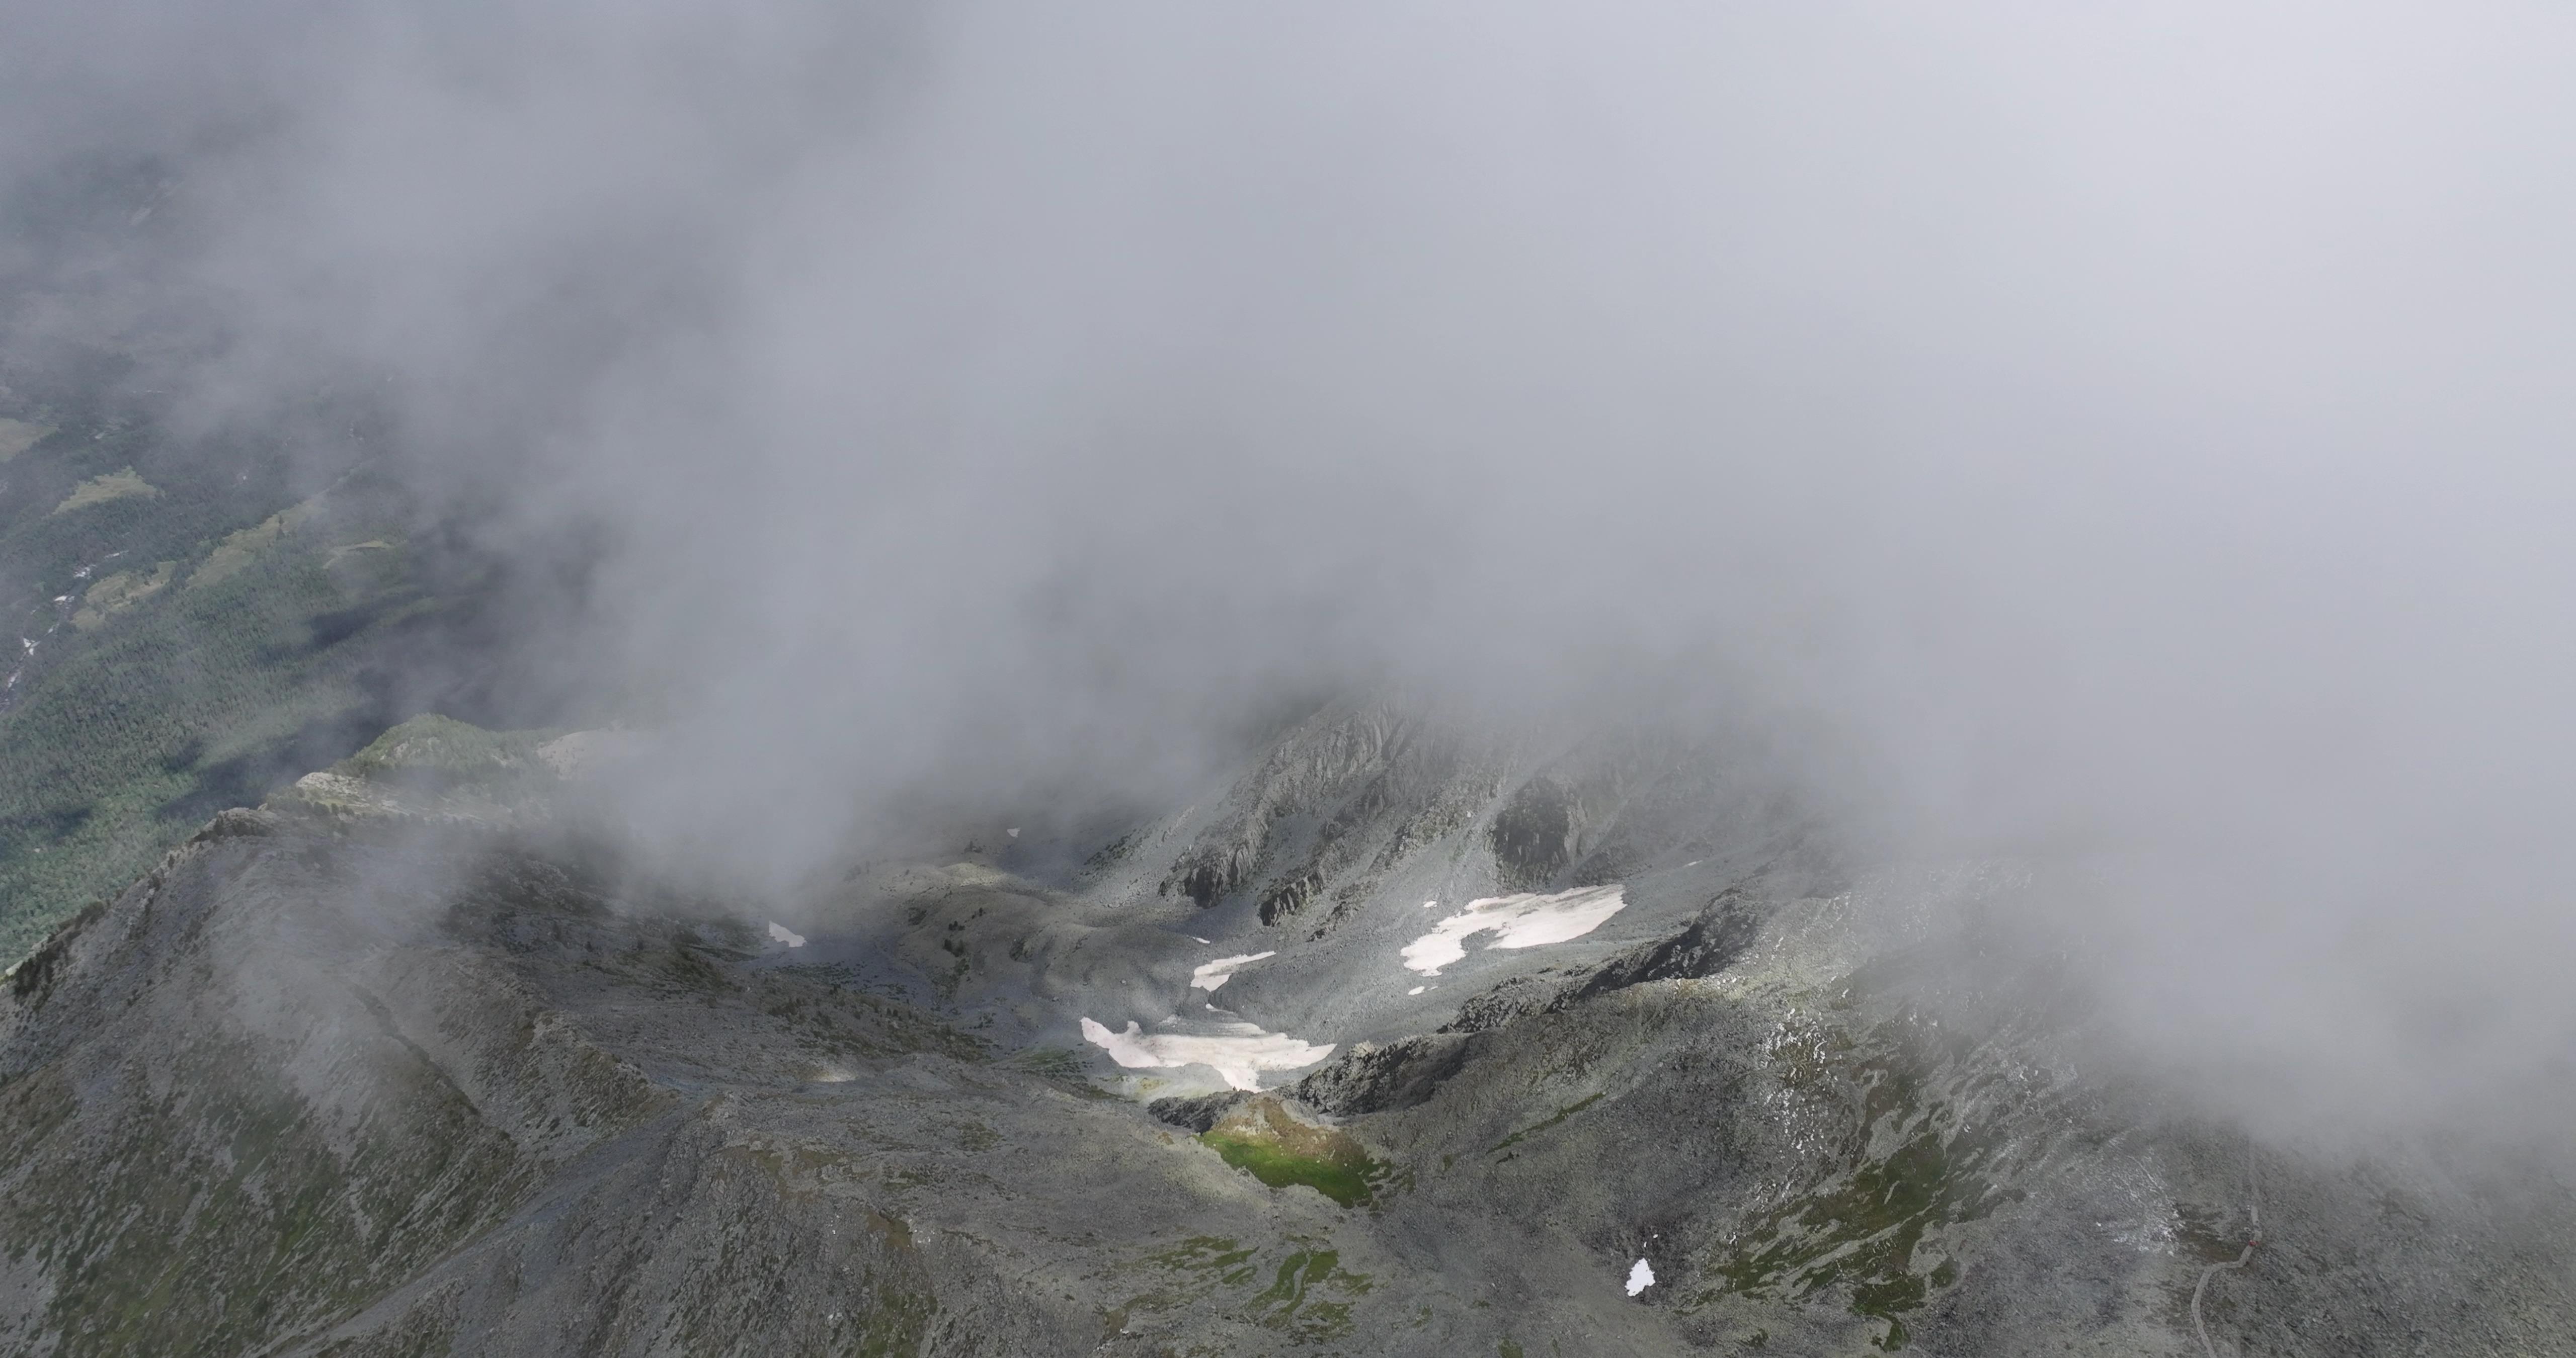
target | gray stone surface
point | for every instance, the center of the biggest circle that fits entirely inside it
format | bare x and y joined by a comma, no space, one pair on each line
357,1078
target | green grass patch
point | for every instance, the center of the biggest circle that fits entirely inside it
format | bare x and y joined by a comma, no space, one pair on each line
17,436
1345,1181
1265,1139
1860,1228
1296,1301
98,490
1308,1295
118,592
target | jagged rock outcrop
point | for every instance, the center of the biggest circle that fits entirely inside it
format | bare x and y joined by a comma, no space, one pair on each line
1342,796
1382,1077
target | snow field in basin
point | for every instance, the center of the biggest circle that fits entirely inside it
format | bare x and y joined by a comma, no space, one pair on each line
1237,1052
1526,920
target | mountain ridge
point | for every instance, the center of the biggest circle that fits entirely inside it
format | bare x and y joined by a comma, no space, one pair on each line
407,1082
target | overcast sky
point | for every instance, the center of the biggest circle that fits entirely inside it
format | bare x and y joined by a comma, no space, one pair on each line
2139,432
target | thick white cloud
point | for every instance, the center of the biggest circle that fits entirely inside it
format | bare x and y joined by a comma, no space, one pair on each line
2134,431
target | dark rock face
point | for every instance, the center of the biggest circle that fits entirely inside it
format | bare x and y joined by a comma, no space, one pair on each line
1196,1115
1320,764
1343,797
1289,896
1535,832
1512,999
1712,942
1710,945
1371,1078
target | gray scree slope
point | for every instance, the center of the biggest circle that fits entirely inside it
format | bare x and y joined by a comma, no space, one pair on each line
402,1064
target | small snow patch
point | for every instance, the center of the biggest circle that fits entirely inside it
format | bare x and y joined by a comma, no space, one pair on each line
1222,970
1526,920
1640,1277
783,934
1013,832
1415,991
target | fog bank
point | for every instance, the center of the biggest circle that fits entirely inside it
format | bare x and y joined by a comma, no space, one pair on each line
2129,437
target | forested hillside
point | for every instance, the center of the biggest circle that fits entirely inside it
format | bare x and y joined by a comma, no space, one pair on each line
192,621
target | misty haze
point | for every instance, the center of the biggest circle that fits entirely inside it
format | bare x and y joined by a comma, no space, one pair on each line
1151,679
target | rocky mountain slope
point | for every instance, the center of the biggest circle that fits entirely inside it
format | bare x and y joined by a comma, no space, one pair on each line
1403,1042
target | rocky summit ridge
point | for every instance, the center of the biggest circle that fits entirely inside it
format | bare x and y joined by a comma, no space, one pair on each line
406,1062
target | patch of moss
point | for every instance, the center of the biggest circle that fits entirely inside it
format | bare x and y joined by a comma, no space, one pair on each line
1859,1228
1263,1140
1344,1183
1295,1300
1309,1294
1212,1256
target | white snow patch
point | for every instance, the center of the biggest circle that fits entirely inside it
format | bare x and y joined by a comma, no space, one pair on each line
1525,920
1431,905
1416,990
1013,832
1238,1052
1222,970
784,935
1641,1276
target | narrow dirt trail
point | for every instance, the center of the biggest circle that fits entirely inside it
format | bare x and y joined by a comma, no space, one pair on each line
2198,1327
